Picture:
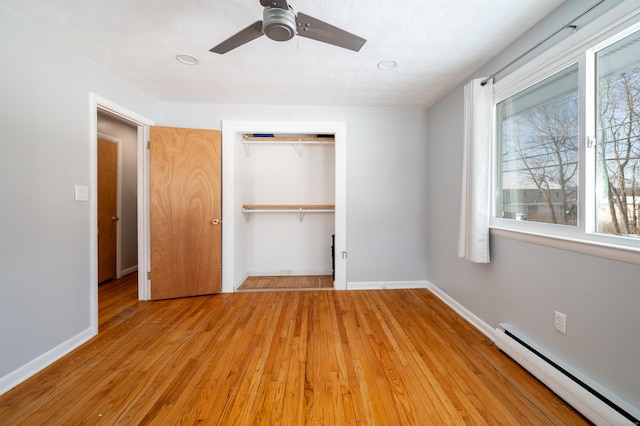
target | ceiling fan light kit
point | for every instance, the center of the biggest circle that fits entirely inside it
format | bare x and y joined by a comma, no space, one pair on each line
280,23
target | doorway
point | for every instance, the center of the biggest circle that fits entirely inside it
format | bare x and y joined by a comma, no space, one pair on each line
132,254
117,147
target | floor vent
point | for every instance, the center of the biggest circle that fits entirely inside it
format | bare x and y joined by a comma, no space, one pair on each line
591,403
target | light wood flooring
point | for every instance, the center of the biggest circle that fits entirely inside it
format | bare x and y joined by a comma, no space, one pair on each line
392,357
288,282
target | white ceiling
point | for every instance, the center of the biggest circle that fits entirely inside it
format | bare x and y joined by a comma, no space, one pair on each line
437,44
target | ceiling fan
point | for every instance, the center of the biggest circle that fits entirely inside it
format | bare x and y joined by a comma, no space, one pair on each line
280,23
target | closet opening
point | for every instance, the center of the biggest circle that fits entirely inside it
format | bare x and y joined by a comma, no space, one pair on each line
283,191
288,206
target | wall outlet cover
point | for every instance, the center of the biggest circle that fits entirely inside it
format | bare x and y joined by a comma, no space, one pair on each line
561,322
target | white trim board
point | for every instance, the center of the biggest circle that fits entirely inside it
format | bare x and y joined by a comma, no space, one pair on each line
98,103
386,285
482,326
29,369
130,270
575,395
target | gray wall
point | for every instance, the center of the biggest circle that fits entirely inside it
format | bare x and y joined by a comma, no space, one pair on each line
44,234
526,283
129,181
44,151
45,144
386,179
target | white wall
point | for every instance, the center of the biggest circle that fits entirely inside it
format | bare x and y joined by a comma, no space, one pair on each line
526,283
281,243
386,179
45,145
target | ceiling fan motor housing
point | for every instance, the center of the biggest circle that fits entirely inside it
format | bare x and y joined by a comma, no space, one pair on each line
278,24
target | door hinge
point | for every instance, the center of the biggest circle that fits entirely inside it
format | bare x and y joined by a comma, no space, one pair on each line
148,144
149,275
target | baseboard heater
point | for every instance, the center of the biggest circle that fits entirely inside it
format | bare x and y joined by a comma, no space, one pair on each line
591,403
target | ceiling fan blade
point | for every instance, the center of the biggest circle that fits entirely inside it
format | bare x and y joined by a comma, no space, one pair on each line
282,4
316,29
252,32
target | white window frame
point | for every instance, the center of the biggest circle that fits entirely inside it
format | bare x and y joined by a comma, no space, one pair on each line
580,48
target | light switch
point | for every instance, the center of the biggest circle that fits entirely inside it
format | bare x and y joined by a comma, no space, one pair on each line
81,193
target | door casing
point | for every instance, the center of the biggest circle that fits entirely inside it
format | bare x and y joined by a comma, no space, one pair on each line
98,103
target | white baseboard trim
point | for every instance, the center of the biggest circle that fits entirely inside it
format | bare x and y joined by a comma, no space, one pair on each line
29,369
575,395
241,281
482,326
128,270
385,285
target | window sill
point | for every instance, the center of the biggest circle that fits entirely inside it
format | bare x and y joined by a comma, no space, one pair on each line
589,247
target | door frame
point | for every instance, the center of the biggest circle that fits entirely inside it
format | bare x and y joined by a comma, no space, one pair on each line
98,103
118,143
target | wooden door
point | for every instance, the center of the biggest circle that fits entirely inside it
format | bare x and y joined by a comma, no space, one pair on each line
185,207
107,209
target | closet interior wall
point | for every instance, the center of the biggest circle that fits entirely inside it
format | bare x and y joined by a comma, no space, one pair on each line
283,176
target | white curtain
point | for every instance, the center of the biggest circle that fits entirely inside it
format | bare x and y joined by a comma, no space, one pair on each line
475,210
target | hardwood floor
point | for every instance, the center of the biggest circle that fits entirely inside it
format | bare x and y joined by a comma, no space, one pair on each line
392,357
288,282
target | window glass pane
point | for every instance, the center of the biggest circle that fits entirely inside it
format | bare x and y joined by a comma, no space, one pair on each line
618,149
538,140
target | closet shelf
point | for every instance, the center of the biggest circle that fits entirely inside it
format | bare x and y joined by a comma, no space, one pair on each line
298,143
276,139
301,209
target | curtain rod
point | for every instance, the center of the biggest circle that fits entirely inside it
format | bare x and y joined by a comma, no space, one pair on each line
568,25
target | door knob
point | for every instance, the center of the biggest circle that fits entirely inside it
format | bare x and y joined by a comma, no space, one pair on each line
216,221
115,219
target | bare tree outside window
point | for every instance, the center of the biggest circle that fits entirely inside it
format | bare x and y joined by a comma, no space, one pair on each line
548,155
539,149
618,164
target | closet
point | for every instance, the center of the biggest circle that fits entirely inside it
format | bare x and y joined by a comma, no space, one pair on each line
288,204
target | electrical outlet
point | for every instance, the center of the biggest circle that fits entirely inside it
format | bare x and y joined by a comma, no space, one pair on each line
561,322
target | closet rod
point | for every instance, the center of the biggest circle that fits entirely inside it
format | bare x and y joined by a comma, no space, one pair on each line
568,25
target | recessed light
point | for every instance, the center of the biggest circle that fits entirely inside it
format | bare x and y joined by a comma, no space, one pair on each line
187,59
387,64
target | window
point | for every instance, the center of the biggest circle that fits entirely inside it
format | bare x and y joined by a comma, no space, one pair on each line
567,142
618,138
538,135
